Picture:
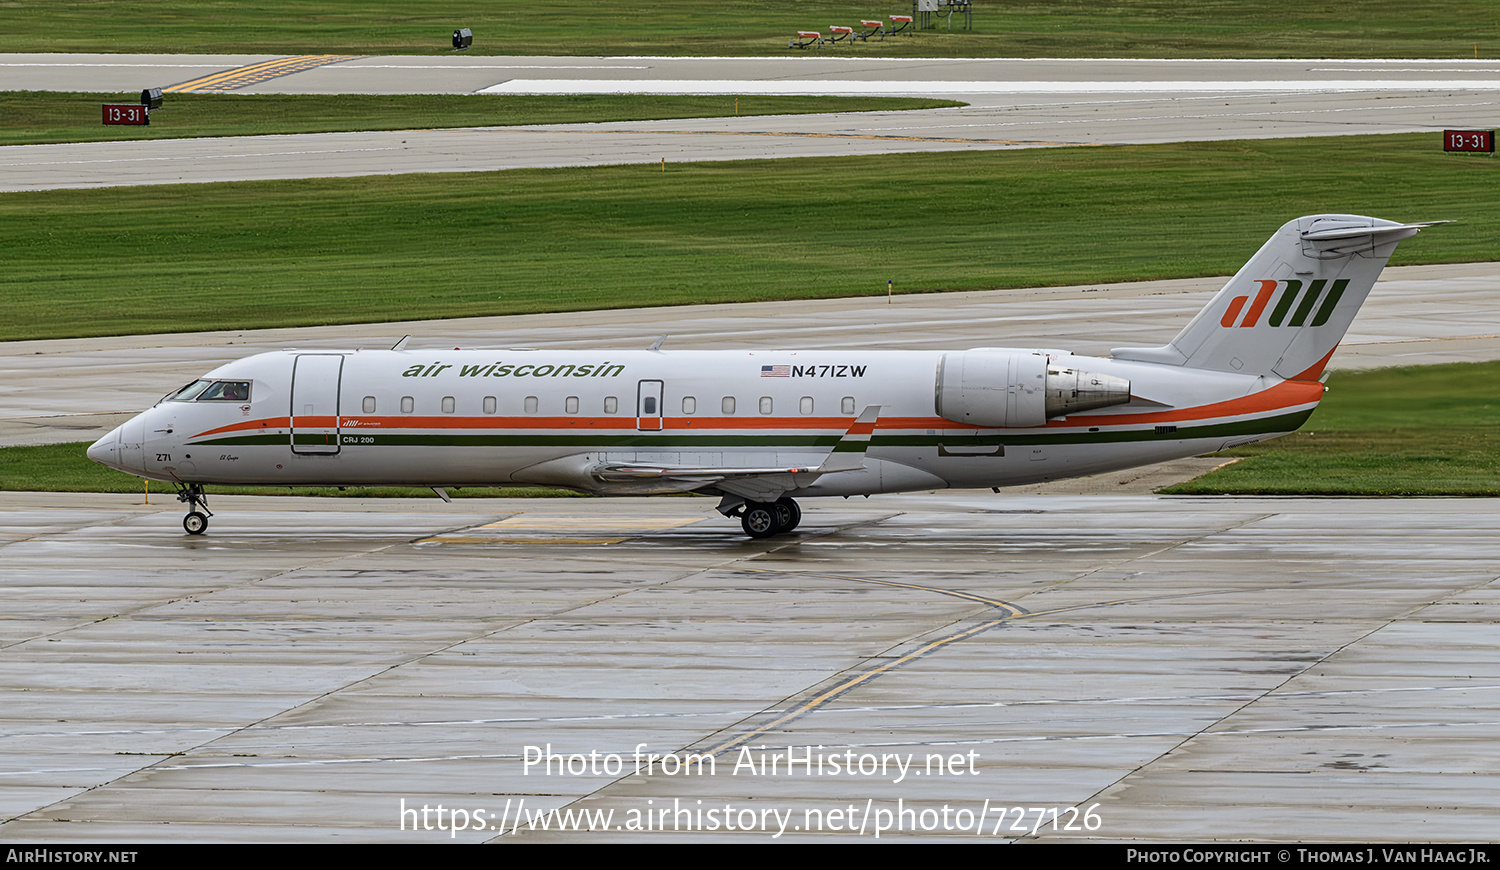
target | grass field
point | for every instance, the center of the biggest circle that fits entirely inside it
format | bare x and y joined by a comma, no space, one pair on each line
36,117
1024,28
219,256
1420,430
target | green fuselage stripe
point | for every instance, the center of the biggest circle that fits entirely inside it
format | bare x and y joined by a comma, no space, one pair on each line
711,441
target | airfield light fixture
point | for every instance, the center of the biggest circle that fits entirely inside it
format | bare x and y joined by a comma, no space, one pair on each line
462,39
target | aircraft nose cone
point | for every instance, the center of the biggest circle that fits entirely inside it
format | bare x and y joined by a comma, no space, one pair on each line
106,451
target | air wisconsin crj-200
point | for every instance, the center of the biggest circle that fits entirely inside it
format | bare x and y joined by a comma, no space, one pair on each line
762,428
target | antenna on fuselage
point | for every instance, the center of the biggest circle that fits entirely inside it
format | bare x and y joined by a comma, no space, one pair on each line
402,343
656,345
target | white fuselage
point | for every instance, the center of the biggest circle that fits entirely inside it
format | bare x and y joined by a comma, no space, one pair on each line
512,417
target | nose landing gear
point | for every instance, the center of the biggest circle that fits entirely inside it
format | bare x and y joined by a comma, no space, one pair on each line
191,494
764,519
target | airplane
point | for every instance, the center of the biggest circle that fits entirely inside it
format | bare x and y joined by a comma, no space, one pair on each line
762,428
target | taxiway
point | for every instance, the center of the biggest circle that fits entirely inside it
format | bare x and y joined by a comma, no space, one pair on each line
1012,104
1186,669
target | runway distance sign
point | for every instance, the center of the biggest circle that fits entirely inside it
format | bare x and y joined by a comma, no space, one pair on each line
1469,140
126,115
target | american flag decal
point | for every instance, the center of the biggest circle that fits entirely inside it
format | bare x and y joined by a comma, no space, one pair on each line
775,371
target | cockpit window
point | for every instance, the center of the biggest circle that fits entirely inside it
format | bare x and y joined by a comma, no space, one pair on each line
213,391
226,391
189,392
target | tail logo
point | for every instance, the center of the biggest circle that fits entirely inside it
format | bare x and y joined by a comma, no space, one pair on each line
1290,291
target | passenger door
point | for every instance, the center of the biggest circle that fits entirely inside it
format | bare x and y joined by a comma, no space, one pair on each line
315,403
648,406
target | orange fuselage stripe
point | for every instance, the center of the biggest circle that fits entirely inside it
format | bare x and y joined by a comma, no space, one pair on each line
1286,394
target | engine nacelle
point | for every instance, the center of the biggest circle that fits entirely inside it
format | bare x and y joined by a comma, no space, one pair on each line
1016,389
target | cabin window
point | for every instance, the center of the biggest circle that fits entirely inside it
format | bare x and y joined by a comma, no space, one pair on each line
648,406
448,405
531,404
847,405
570,404
806,405
407,404
727,406
611,405
369,405
765,404
489,404
689,405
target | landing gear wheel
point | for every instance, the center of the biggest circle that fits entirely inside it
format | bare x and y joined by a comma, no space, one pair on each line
760,520
763,519
191,494
793,514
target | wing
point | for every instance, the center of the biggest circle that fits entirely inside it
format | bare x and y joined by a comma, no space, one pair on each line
757,484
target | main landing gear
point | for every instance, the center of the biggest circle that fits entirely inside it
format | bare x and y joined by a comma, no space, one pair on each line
191,494
762,519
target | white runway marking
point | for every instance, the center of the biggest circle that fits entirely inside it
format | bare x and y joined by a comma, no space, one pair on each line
890,87
1196,116
1412,69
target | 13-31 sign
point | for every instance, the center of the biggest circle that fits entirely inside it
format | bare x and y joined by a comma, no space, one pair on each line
1469,140
126,115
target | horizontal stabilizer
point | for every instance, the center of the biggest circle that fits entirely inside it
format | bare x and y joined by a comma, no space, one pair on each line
1406,231
1340,241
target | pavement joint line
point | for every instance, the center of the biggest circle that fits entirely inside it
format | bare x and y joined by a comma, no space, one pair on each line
725,565
842,684
848,683
1218,725
967,596
511,756
1192,539
458,529
1043,702
124,516
862,710
775,710
235,729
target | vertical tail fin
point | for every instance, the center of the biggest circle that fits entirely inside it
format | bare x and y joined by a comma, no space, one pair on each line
1290,305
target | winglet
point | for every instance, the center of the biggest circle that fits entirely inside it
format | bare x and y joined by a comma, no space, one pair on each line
849,453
